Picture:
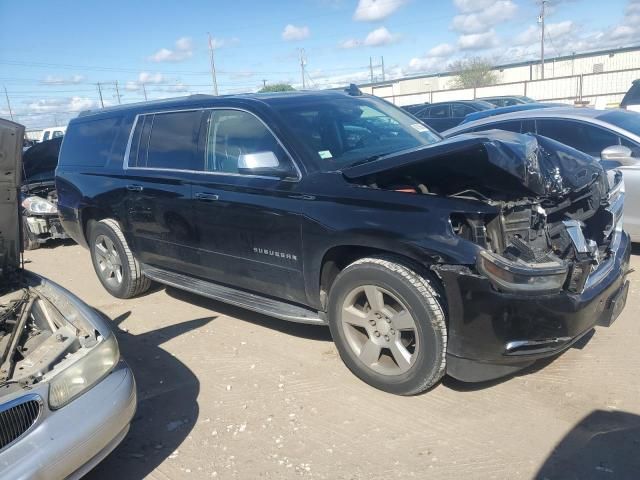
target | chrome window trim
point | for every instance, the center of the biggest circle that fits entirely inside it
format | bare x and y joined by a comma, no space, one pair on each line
126,165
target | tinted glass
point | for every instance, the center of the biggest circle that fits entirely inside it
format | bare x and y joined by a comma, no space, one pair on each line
633,95
173,142
89,142
512,126
460,110
57,134
439,111
581,136
343,131
46,135
232,133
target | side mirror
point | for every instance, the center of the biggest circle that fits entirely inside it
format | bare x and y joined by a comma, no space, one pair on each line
620,154
263,163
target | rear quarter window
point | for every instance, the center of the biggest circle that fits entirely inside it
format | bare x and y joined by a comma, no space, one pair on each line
89,143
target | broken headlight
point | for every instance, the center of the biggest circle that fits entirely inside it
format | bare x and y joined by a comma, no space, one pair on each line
522,277
84,373
37,205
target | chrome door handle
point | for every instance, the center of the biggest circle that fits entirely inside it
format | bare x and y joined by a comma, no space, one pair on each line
135,188
206,197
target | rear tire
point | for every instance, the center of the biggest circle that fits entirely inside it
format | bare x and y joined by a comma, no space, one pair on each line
388,325
114,263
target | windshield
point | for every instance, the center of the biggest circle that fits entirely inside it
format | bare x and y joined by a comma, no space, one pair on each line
629,121
343,131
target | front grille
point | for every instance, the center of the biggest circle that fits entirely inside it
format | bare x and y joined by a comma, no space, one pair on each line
18,416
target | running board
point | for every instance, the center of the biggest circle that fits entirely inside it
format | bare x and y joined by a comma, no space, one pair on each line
239,298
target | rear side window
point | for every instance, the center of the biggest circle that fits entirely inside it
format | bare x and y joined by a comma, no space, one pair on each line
167,141
581,136
89,143
459,110
45,137
440,111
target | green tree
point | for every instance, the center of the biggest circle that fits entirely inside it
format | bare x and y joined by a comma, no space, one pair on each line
276,87
473,72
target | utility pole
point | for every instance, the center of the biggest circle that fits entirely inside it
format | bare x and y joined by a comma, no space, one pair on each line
118,93
303,61
541,20
8,103
264,83
100,93
382,65
144,90
371,68
213,66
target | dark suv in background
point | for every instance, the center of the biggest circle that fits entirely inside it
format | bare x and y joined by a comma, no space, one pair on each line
473,256
444,115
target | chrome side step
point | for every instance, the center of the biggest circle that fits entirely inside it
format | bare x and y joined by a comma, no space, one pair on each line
239,298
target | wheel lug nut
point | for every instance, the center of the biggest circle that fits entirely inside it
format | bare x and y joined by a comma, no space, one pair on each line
376,333
392,331
378,316
386,337
372,322
388,320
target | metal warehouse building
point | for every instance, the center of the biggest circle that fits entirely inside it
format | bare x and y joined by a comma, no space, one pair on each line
599,79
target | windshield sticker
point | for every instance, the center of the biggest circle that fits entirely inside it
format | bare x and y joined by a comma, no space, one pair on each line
419,127
325,154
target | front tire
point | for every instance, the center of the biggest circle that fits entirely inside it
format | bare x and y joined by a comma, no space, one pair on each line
114,263
388,325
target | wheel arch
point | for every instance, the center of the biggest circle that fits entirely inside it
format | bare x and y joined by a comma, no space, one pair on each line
338,257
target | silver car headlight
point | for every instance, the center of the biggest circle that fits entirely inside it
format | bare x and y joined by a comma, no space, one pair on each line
84,373
37,205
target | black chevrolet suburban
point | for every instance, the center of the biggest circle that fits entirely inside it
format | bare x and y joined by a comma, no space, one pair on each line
473,256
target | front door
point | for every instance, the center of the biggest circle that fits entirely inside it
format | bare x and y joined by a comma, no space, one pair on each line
248,225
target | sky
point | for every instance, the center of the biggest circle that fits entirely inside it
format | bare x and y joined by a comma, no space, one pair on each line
52,56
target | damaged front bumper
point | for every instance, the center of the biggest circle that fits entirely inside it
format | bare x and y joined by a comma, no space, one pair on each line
495,333
45,227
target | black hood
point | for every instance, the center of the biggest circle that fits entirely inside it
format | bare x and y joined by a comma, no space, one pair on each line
11,138
496,163
40,161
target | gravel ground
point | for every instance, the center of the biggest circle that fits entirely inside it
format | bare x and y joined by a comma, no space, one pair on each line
227,393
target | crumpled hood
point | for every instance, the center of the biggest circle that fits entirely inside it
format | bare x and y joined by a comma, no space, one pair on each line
496,163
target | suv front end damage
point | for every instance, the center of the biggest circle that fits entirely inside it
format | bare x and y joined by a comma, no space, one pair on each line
550,256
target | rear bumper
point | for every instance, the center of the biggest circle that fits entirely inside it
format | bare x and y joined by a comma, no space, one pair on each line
492,334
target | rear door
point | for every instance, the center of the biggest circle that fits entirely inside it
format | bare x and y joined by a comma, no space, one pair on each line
165,147
248,226
458,112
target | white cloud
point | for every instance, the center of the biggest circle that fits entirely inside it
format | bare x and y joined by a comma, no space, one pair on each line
293,33
62,104
182,51
478,41
468,6
442,50
376,38
375,10
60,80
554,31
491,14
435,59
146,77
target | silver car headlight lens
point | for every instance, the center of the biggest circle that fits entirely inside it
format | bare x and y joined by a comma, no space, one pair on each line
520,277
84,373
37,205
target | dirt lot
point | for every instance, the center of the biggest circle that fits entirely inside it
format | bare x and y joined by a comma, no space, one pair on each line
226,393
